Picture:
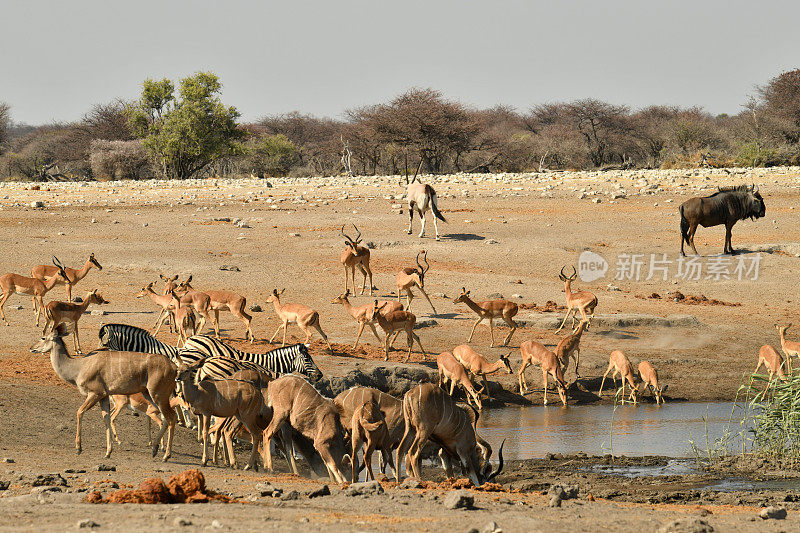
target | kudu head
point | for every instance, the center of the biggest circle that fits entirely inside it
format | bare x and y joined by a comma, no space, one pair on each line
46,343
350,242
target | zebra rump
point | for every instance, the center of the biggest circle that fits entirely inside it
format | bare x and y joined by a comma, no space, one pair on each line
127,338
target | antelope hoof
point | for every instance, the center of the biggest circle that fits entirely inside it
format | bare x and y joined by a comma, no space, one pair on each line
78,450
108,454
437,238
409,232
117,440
166,456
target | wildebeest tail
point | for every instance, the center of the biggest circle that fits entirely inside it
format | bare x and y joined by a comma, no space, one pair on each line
434,207
684,226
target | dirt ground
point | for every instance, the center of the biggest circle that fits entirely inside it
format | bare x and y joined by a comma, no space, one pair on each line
508,235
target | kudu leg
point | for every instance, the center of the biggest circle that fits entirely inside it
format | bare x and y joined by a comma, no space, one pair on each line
88,403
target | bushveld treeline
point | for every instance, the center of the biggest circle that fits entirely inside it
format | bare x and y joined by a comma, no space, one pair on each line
189,132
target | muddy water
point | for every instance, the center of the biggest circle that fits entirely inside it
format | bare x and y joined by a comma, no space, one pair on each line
647,429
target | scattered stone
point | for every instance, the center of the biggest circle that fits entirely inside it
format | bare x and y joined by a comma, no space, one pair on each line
491,241
411,483
295,234
216,524
50,480
491,527
37,203
8,460
564,492
612,287
324,490
517,296
4,485
105,468
776,513
459,499
266,489
367,487
597,200
98,312
255,308
87,523
291,495
230,268
687,525
180,521
555,501
77,299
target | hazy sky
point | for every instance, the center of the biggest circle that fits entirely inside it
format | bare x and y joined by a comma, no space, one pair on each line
58,58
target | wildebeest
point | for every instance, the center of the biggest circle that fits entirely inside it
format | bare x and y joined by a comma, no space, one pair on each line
726,206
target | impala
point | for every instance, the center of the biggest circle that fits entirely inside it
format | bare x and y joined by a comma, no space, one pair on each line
356,256
790,348
479,366
490,309
363,313
14,283
570,346
224,301
535,353
74,275
414,277
299,314
397,321
772,361
583,301
68,313
450,369
620,364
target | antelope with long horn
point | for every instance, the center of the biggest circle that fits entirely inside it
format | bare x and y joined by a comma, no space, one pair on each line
299,314
489,310
620,364
479,366
582,301
431,414
355,256
421,198
414,277
14,283
68,313
397,321
74,275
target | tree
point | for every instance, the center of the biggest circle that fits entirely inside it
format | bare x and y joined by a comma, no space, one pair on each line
5,124
187,133
272,155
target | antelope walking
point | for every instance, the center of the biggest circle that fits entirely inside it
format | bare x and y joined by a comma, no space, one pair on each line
620,364
14,283
789,348
224,301
369,427
105,373
363,313
430,413
68,313
355,256
397,321
479,366
490,309
772,361
225,398
649,377
450,369
422,197
164,301
583,301
299,314
414,277
43,272
535,353
570,346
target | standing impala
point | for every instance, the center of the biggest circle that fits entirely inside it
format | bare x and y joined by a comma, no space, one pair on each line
620,364
535,353
583,301
14,283
772,361
299,314
363,313
164,301
570,346
479,366
356,256
69,313
43,272
790,348
184,319
397,321
414,277
224,301
490,309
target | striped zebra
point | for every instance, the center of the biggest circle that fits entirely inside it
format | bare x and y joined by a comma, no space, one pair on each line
222,367
294,358
126,338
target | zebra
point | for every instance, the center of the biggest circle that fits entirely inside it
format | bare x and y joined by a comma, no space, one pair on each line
222,367
294,358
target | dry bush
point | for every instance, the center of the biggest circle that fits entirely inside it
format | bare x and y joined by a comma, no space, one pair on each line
117,160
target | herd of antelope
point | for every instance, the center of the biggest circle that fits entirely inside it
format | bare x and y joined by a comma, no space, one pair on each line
266,403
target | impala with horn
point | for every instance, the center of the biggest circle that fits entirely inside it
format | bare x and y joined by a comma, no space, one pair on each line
74,275
355,256
414,277
581,301
14,283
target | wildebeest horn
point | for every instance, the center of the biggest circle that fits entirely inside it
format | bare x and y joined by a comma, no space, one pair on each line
499,465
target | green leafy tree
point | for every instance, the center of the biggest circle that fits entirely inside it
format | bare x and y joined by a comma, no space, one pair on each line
184,134
273,155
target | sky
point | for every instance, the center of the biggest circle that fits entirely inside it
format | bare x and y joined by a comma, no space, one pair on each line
58,59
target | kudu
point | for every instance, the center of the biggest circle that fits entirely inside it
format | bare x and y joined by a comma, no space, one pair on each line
421,197
355,256
104,373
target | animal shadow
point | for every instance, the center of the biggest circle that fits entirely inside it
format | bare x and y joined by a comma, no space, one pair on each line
463,237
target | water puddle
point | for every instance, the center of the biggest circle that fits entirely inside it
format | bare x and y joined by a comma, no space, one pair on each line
674,467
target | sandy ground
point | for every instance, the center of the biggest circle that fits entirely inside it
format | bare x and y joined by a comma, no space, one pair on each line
508,235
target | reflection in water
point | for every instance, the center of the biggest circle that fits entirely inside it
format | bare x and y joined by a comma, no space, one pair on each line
644,430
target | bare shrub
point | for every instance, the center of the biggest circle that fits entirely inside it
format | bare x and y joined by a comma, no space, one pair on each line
118,160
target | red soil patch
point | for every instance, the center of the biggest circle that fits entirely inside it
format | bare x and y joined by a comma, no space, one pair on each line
186,487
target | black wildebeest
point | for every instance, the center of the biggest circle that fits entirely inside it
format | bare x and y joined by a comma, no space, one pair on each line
726,206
